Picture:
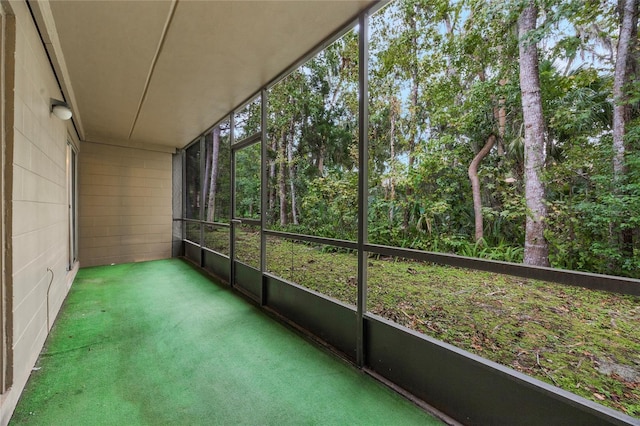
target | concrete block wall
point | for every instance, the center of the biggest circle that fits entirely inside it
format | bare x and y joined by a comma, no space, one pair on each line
125,204
38,279
125,197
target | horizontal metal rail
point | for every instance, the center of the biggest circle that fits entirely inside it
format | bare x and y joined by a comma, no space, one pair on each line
311,239
592,281
620,285
210,250
204,222
216,224
185,219
245,221
249,140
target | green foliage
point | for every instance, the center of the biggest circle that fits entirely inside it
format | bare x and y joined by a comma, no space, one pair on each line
330,206
248,182
193,196
441,73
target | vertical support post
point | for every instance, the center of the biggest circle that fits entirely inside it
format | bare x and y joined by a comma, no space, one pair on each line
263,195
203,167
183,159
363,176
177,204
232,193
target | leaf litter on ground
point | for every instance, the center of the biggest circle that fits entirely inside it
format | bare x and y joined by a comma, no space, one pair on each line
583,341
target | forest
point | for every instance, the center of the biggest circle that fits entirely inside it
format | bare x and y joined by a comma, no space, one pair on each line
503,130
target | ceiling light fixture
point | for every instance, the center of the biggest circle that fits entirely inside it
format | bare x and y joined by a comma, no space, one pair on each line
61,109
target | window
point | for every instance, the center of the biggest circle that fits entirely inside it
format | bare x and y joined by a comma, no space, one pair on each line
72,175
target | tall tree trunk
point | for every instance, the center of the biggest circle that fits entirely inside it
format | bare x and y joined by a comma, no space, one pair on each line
475,185
413,125
321,155
621,78
207,171
395,108
272,178
536,249
621,109
413,136
292,186
213,182
501,115
272,189
281,178
415,89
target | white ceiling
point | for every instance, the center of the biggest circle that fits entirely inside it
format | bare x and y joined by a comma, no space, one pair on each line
161,72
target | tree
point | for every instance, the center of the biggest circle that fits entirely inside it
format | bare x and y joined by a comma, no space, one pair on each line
192,171
536,250
460,147
282,162
291,165
475,186
247,182
213,176
627,41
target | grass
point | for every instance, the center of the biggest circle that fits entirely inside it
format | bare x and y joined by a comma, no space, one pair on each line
584,341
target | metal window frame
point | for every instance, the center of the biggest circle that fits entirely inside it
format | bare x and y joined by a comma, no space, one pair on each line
203,166
264,182
363,181
367,324
232,199
72,202
247,139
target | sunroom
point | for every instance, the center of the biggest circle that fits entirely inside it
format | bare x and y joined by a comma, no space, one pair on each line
440,195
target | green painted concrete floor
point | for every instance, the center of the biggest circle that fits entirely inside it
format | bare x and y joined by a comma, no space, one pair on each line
158,343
